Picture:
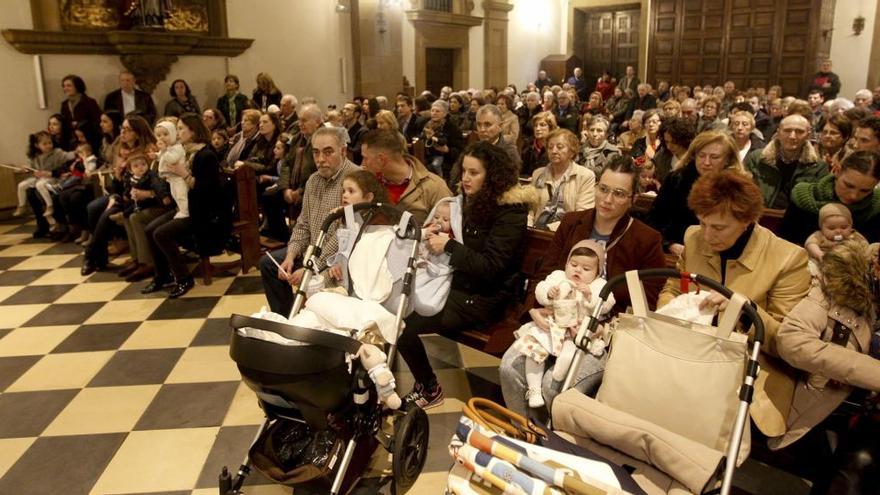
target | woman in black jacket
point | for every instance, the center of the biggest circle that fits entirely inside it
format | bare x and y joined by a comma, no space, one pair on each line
711,151
485,262
210,212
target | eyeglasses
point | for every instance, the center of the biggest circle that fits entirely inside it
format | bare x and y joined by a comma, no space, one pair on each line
616,193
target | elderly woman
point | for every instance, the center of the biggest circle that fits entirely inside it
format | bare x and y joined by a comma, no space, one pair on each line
854,185
213,120
386,120
709,118
729,246
636,131
210,211
741,125
647,146
710,152
832,140
671,109
260,156
443,140
485,262
596,150
618,105
243,142
595,105
629,245
78,106
562,185
548,101
535,153
509,119
826,340
182,100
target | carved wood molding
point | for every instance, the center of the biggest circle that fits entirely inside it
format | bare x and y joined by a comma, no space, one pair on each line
429,16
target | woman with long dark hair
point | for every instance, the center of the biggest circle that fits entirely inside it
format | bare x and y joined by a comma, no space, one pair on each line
210,211
182,100
486,261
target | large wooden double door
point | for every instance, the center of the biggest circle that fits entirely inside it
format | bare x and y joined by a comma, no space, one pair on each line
607,39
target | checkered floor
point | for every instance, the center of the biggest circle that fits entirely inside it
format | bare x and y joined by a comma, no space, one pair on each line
105,390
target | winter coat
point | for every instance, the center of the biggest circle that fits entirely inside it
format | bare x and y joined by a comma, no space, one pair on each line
210,203
578,190
670,213
143,104
825,372
291,178
765,171
424,190
174,108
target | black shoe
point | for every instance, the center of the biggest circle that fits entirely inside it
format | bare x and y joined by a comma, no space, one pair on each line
40,233
182,288
89,268
156,285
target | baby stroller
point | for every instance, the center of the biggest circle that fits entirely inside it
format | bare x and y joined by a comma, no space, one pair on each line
675,395
329,406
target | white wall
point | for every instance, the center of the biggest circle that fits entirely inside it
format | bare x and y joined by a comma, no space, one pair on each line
535,30
300,44
850,53
477,52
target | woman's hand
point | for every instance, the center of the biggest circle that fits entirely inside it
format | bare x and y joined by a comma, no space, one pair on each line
178,169
437,243
676,249
714,301
335,271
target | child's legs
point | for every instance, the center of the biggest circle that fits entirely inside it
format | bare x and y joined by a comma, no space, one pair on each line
44,192
180,193
534,373
23,187
563,361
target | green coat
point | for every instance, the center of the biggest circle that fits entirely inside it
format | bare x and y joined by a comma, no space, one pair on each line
762,165
289,179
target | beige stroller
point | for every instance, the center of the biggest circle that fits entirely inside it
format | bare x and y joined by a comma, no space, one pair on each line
675,395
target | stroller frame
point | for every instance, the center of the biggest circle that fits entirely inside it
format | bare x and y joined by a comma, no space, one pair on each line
408,442
589,326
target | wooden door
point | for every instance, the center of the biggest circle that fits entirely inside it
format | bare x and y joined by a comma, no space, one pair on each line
610,41
439,68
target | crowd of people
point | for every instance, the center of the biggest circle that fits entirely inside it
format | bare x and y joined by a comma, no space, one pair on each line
571,158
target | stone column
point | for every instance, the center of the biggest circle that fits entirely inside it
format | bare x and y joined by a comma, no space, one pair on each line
495,42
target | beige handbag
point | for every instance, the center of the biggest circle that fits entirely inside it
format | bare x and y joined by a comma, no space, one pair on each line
680,376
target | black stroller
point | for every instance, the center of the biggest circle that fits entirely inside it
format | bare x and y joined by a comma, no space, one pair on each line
328,408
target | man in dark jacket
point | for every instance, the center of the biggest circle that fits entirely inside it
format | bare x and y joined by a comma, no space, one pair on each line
643,101
351,114
579,83
543,80
826,81
410,124
129,99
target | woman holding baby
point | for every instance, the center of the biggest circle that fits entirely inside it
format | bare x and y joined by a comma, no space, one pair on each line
628,244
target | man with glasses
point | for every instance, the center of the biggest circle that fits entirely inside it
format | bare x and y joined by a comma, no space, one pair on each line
322,194
488,126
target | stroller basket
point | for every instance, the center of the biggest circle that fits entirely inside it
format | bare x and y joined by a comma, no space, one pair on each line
665,352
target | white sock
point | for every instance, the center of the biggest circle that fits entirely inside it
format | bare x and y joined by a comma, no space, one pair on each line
534,375
563,361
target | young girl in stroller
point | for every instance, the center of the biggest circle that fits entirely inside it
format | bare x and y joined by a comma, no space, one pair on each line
568,296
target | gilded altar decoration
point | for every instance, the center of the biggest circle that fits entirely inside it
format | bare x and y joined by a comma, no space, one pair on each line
89,14
187,16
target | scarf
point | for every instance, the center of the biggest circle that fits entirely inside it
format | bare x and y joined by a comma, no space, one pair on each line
813,196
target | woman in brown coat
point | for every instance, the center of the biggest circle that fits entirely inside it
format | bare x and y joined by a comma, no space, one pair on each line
827,337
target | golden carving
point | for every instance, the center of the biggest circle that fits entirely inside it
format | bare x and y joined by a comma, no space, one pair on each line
191,19
92,14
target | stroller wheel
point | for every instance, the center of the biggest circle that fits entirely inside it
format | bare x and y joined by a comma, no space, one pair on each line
410,448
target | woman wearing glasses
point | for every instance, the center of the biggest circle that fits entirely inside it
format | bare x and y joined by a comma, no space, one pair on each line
629,245
711,151
562,185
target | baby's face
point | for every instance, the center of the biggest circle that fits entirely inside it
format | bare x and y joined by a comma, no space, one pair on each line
163,139
836,228
441,217
582,269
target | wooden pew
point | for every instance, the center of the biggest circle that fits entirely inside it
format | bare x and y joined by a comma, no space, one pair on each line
245,226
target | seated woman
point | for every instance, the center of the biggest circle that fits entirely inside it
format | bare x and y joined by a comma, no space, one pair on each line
242,143
443,140
509,119
629,245
534,155
182,100
832,140
710,152
636,131
729,246
595,106
486,261
526,112
261,156
826,340
645,147
677,133
562,185
709,119
596,151
210,211
741,125
854,185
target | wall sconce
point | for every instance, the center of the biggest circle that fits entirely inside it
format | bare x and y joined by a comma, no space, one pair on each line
342,8
858,25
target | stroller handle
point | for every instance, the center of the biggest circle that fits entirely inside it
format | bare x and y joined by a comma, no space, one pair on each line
413,230
748,309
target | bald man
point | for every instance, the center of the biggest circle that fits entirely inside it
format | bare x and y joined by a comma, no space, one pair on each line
788,159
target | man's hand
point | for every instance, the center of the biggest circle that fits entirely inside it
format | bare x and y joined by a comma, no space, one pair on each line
296,277
286,268
292,196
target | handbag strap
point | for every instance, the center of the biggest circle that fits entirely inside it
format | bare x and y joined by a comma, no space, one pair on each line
499,419
636,293
729,319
